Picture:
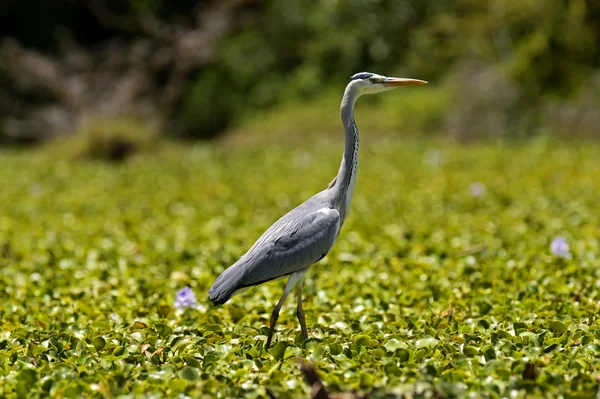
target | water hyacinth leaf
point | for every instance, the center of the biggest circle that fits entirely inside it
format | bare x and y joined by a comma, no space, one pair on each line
47,385
163,330
392,344
74,390
240,373
594,348
519,326
189,374
318,353
211,357
362,339
563,339
378,354
164,310
488,352
531,338
579,365
484,308
587,339
366,380
503,334
28,377
335,348
138,336
178,385
484,323
470,350
213,327
404,355
56,344
119,351
429,342
392,369
191,361
372,317
550,348
99,343
557,326
279,349
138,325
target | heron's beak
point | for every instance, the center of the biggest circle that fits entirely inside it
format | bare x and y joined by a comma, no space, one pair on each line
395,82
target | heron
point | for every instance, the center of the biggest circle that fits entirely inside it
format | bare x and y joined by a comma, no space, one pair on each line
305,235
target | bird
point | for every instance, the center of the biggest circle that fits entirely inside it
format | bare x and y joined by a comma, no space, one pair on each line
304,236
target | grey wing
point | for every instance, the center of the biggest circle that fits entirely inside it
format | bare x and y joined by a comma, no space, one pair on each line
293,243
292,246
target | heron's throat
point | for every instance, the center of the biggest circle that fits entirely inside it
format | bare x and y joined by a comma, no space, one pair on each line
343,185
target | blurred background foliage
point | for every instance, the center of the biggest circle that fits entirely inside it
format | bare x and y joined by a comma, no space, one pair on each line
498,68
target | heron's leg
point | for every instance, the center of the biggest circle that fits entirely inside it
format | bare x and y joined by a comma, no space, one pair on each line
294,277
300,311
274,317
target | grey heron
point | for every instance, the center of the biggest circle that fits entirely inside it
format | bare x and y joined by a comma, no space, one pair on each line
305,234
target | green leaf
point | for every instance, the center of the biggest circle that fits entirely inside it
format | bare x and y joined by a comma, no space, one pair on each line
550,348
519,326
138,336
119,351
404,355
163,330
399,315
189,374
391,369
488,352
470,350
484,307
392,344
362,339
164,310
366,380
335,348
557,326
587,339
99,343
427,343
279,350
28,377
211,357
191,361
74,390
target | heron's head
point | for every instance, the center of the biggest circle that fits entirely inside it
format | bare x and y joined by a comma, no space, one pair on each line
371,83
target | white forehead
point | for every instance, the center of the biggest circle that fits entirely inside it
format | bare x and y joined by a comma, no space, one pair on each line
363,85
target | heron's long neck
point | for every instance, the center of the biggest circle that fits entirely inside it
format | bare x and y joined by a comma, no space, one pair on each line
343,184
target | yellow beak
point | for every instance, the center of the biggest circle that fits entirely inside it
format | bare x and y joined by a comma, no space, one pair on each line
395,82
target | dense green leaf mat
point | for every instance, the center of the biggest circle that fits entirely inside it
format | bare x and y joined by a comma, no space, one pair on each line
442,278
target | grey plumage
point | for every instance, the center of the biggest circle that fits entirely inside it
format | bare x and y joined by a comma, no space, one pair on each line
305,234
294,242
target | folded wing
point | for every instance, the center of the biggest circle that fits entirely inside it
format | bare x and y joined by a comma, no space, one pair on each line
293,243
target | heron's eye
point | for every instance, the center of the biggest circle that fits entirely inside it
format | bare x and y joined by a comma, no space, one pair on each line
372,80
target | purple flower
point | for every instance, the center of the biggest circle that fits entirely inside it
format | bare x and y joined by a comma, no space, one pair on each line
185,299
477,189
560,247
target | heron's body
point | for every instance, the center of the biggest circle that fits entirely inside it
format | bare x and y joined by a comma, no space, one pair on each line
292,244
305,234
